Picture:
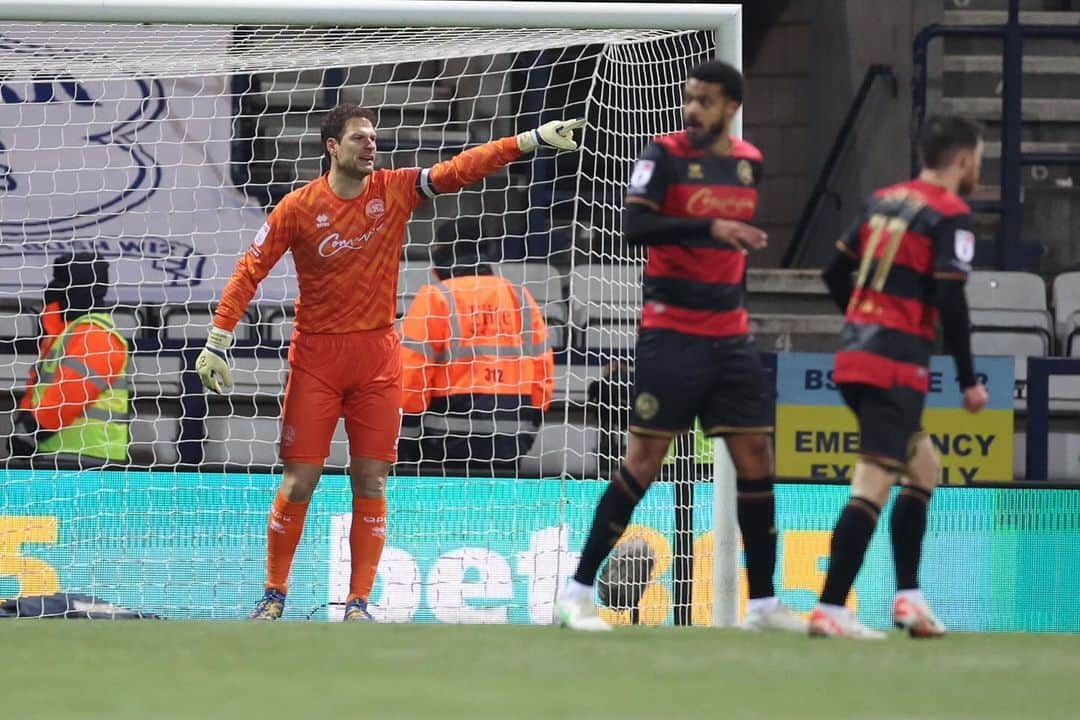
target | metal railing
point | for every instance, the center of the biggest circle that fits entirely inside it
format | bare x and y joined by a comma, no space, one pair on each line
1012,34
794,250
1038,411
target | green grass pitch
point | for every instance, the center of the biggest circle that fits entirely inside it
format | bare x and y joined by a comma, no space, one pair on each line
160,670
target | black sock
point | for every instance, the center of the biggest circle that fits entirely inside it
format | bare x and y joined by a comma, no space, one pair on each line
757,521
908,527
849,542
612,515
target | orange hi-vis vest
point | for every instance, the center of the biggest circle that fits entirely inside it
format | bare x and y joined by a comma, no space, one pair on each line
476,343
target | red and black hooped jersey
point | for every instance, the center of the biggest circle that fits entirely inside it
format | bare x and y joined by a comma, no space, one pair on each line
909,236
695,284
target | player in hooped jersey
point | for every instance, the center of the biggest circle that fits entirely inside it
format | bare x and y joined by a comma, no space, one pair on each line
912,248
690,197
345,231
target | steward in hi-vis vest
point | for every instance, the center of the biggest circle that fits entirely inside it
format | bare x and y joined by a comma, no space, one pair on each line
76,407
478,369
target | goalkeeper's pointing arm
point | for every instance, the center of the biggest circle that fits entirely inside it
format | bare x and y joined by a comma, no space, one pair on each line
271,242
477,163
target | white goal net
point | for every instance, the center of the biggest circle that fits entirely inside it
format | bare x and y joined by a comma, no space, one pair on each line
162,147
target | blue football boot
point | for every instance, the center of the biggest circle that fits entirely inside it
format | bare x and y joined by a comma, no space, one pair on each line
270,607
356,611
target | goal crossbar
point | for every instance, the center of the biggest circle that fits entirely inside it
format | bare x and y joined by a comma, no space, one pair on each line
386,13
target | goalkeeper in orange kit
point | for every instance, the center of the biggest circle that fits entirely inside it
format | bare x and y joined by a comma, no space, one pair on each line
345,230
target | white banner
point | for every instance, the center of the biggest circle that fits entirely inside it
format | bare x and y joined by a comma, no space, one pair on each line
137,169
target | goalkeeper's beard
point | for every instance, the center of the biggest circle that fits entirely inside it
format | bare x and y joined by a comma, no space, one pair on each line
352,173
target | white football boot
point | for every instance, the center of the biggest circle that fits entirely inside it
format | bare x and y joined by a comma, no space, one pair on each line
840,622
774,616
577,611
915,616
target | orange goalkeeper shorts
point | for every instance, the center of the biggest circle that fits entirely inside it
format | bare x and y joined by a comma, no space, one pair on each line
358,376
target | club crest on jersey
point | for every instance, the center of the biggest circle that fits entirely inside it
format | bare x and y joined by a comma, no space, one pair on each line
322,221
375,208
745,172
694,171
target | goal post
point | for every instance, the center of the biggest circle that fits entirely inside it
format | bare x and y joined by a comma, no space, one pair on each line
159,133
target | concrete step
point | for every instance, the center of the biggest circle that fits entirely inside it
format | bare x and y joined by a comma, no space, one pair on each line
300,95
1000,17
1033,175
989,84
993,149
988,109
1032,64
1037,46
958,46
1003,5
303,129
1034,132
772,291
788,332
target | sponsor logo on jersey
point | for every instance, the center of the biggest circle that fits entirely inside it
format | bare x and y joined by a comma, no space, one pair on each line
964,245
260,237
333,243
322,221
375,208
706,202
643,172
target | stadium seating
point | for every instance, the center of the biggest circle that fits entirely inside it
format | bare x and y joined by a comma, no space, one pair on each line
129,321
545,284
157,374
562,449
155,432
14,370
1009,313
187,323
17,318
412,276
605,305
1009,316
278,327
1066,293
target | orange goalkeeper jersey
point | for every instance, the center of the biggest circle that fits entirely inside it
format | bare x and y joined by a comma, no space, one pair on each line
347,251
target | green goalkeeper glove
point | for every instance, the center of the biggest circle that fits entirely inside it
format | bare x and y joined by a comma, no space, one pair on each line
557,134
213,365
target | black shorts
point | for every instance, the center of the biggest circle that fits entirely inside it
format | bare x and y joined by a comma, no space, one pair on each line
679,377
889,420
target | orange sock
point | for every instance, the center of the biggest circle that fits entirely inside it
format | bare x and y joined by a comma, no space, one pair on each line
283,531
366,540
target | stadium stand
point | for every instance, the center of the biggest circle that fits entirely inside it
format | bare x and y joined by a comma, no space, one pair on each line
605,301
1066,296
1009,316
545,284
